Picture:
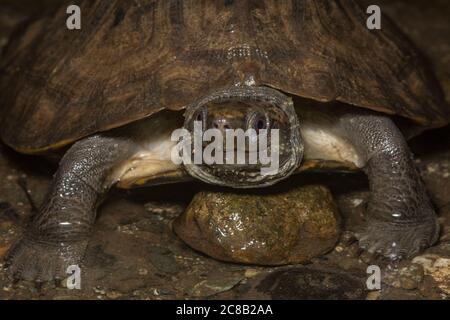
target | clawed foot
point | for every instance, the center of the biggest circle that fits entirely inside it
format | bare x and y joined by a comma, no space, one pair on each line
42,262
398,241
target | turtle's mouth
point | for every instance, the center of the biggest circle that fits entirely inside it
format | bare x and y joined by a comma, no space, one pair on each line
262,127
240,176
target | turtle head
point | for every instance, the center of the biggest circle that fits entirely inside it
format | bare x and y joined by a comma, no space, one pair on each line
242,137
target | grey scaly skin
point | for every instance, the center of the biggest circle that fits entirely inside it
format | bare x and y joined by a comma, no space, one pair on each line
401,218
58,234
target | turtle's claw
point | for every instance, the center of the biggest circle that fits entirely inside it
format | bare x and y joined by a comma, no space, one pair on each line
42,262
397,241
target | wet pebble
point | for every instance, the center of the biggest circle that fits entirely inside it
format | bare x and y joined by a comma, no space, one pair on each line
272,229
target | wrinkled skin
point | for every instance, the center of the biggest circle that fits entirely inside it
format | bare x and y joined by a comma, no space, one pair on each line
402,220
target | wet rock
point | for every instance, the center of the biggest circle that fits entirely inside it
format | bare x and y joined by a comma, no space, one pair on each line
438,268
308,283
273,229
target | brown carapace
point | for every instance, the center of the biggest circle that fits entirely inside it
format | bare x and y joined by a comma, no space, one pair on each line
59,85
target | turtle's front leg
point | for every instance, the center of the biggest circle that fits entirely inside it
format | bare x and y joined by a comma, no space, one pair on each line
58,234
401,218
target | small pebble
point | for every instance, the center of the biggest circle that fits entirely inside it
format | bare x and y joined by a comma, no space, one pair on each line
113,295
143,272
99,290
373,295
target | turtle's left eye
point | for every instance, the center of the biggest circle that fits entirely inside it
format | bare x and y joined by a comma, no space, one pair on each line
257,121
201,115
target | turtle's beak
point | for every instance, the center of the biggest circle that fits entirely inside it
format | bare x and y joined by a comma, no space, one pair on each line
245,137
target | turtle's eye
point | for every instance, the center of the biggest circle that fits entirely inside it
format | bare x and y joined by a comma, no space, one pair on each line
200,115
257,121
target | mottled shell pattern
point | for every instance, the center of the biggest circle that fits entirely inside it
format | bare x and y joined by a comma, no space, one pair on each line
132,59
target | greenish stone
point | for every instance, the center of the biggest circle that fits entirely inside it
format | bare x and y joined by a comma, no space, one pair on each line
283,228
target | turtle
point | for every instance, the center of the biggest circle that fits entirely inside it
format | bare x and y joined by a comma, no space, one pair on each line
107,98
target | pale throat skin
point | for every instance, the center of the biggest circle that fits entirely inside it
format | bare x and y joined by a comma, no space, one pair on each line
319,137
401,218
